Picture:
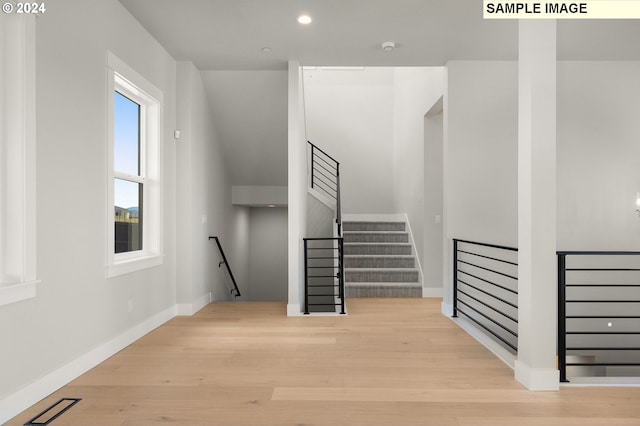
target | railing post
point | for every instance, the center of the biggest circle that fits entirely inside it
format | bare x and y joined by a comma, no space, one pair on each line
306,280
455,278
338,205
341,273
312,169
562,317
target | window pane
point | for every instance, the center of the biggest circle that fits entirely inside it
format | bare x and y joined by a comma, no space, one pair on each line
128,215
126,135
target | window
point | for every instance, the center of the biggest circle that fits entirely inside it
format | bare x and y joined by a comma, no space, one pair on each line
17,158
134,160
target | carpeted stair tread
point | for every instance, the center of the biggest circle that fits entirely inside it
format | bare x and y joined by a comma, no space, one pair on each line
376,237
377,248
381,275
379,261
381,289
373,226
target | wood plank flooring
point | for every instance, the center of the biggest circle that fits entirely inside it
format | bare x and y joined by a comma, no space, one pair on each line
389,362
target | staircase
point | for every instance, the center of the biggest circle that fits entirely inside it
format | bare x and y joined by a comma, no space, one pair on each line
379,260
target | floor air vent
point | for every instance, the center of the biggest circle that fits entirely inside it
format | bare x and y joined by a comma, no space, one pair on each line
53,412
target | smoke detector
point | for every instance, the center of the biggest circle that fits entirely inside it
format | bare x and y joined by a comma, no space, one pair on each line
388,46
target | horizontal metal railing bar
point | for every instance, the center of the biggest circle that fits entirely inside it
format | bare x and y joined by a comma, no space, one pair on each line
324,185
322,295
489,294
505,328
602,285
488,257
329,176
486,244
604,332
323,276
322,258
321,267
601,317
324,285
603,364
321,238
497,336
487,281
318,149
603,301
602,269
325,191
323,159
599,253
489,306
599,348
488,269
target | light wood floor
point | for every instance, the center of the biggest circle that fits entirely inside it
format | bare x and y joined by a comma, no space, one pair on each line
390,362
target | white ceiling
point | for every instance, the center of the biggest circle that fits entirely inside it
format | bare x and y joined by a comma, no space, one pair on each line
229,35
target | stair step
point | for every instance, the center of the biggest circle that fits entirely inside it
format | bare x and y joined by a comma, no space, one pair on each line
381,275
373,226
376,237
373,261
377,249
377,289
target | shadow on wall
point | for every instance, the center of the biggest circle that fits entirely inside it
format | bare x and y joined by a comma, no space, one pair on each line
268,250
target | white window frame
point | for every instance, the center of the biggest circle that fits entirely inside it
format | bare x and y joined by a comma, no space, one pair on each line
17,158
134,86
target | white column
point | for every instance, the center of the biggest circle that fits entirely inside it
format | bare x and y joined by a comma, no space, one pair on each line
297,191
536,367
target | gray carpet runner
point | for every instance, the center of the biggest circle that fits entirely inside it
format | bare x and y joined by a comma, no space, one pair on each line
379,260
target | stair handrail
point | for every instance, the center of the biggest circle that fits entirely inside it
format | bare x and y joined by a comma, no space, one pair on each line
329,187
224,260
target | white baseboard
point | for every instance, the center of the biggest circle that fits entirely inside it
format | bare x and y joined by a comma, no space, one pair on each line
486,341
294,310
446,309
188,309
432,292
19,401
537,379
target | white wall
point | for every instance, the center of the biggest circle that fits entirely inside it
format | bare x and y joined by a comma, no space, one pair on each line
480,152
416,89
268,254
598,142
350,116
204,202
482,148
76,308
251,119
433,197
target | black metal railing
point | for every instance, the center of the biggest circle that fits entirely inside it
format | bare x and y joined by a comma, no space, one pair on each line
224,261
485,288
598,311
323,274
325,177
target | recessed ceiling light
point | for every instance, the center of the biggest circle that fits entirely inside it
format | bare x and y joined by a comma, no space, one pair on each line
265,49
304,19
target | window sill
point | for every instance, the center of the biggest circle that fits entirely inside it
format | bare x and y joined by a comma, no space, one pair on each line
132,265
17,292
